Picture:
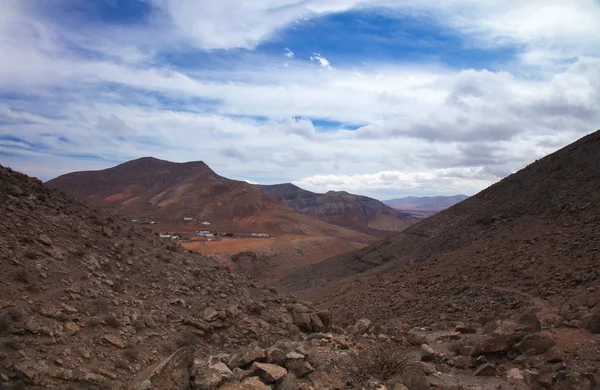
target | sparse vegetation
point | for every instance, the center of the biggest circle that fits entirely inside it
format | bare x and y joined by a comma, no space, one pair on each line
131,354
122,364
379,360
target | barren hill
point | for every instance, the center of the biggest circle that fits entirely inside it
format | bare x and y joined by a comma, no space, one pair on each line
87,301
532,238
168,191
356,212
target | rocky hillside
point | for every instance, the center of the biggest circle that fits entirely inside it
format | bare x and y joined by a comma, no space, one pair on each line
356,212
87,300
530,240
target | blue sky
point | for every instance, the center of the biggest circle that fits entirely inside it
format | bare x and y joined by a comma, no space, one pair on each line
379,97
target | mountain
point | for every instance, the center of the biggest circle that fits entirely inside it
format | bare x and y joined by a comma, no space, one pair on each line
530,241
167,191
356,212
163,192
89,301
426,205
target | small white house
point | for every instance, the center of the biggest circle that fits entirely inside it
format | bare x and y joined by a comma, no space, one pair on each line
165,236
174,237
188,218
205,223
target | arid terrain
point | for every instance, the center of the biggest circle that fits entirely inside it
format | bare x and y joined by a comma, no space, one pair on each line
162,194
488,294
425,206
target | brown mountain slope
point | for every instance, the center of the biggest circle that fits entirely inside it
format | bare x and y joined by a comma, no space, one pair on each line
87,301
424,205
533,237
168,191
356,212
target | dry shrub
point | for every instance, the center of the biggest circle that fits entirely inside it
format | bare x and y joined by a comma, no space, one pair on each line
122,364
379,360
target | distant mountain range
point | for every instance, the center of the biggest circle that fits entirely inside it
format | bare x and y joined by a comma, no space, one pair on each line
426,205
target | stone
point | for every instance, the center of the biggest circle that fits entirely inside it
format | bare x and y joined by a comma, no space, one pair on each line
288,382
467,350
252,383
269,373
361,326
210,314
537,343
486,369
32,326
465,329
316,323
414,338
495,344
593,321
209,378
553,355
294,355
172,373
427,353
299,367
72,327
245,357
44,239
464,362
302,320
114,340
325,316
514,374
427,368
275,355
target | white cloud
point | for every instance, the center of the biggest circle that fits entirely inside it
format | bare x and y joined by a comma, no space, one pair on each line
321,60
426,129
288,53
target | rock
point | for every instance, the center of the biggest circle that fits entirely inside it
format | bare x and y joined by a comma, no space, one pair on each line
467,350
325,316
294,355
275,355
299,367
427,368
486,369
464,362
245,357
173,373
210,314
360,326
593,321
288,382
44,239
114,340
209,378
72,327
316,323
427,353
537,343
414,338
466,329
514,374
33,370
252,383
495,344
269,373
546,380
553,355
302,320
32,326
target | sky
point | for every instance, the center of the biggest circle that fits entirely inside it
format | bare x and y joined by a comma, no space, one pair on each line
386,98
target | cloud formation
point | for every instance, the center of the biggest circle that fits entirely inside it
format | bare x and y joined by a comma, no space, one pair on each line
206,87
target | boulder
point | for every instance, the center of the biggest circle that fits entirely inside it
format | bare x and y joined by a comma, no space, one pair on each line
316,323
414,338
427,353
245,357
269,373
325,316
496,344
210,314
302,320
537,343
486,369
44,239
514,374
465,329
252,383
593,321
464,362
173,373
114,340
288,382
360,326
209,378
275,355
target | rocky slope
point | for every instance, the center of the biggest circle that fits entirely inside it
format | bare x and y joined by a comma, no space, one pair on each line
87,300
530,240
356,212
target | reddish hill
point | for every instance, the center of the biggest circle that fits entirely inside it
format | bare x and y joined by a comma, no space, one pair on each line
425,205
356,212
168,192
531,239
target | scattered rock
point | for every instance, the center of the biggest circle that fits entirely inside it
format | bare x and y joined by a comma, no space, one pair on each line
44,239
486,369
114,340
427,353
269,373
